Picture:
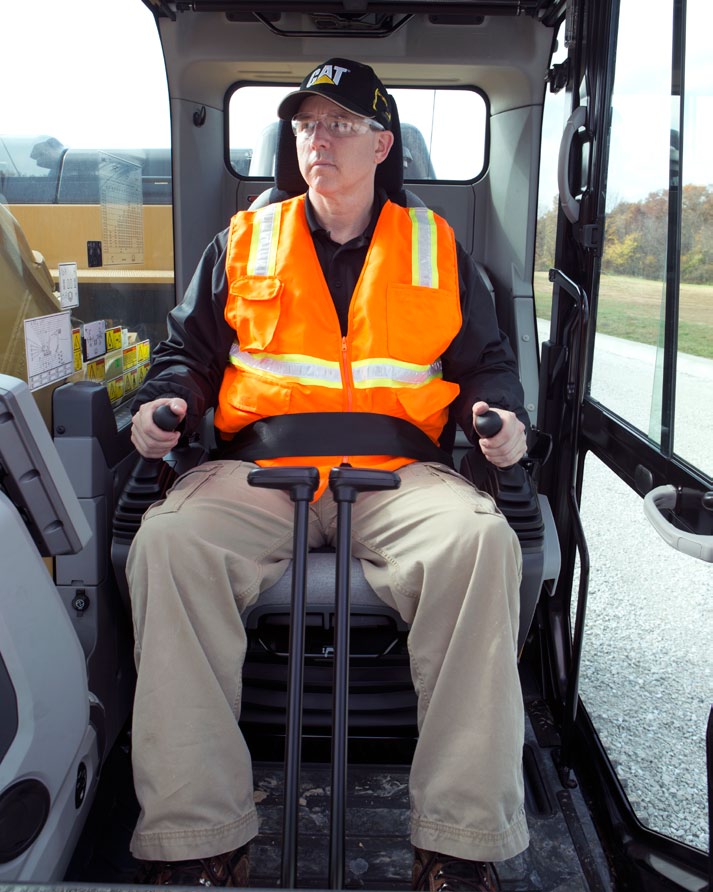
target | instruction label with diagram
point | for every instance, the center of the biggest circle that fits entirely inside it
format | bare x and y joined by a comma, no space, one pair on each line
121,200
68,285
48,349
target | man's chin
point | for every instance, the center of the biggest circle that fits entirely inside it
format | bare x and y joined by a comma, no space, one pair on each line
321,171
324,184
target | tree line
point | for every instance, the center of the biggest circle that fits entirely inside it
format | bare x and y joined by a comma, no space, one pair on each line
636,233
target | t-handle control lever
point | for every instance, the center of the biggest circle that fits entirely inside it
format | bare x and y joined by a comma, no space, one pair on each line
301,483
345,483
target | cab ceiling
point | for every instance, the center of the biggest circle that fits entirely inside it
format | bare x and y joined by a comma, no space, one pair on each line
208,52
549,11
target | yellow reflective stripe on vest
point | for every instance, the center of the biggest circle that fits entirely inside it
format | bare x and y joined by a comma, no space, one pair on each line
424,248
392,373
295,366
263,244
424,244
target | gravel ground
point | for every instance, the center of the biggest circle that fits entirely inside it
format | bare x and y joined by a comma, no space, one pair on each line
647,674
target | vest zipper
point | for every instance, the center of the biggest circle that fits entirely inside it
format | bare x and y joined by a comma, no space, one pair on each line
347,379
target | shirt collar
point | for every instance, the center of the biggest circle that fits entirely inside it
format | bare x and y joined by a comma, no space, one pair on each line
379,201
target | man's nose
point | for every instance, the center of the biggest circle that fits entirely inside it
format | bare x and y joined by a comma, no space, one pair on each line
320,134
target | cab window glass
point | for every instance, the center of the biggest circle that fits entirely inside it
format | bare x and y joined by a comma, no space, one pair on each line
652,603
656,291
443,131
85,190
646,599
694,381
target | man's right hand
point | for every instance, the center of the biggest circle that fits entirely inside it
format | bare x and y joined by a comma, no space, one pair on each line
150,440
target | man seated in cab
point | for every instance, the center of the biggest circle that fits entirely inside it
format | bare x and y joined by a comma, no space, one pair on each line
335,301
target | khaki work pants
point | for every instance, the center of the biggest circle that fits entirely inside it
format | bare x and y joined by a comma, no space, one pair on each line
436,549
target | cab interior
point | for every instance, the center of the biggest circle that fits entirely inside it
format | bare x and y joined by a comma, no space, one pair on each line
503,50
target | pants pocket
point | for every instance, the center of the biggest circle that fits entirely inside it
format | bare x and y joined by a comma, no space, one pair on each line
480,501
184,488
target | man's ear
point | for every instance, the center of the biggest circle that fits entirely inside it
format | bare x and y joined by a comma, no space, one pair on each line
385,139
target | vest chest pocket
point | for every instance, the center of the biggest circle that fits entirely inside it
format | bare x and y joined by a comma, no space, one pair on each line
253,309
421,322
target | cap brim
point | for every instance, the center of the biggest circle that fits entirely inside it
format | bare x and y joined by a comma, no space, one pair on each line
290,105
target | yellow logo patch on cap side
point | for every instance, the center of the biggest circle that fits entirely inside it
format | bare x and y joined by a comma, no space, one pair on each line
379,97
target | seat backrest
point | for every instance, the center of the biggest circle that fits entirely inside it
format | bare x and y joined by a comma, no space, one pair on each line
417,159
290,182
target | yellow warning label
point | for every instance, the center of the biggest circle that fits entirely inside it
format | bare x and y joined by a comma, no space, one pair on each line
77,349
113,338
115,388
131,380
130,357
96,370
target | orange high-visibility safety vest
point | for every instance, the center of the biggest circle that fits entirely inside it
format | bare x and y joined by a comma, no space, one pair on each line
289,354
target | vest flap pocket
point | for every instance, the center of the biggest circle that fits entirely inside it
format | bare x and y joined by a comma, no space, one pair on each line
428,406
421,322
259,396
253,308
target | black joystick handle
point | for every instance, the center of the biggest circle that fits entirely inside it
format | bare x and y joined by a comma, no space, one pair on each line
165,418
488,424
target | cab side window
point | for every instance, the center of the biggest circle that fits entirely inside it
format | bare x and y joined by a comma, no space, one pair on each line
85,173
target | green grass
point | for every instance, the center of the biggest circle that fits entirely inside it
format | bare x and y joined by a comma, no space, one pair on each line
631,308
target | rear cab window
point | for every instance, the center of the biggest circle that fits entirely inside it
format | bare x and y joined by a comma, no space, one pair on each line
444,131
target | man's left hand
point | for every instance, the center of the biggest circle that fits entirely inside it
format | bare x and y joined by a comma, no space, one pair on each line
509,445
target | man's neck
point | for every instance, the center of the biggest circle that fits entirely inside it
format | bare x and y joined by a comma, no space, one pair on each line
344,218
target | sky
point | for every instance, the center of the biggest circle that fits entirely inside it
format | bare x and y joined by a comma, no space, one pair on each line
59,80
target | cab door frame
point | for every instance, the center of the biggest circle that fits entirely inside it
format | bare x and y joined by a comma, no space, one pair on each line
580,424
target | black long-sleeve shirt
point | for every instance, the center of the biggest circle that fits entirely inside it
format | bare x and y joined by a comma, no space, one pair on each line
190,362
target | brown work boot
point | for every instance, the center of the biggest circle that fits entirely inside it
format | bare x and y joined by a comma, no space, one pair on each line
433,872
228,869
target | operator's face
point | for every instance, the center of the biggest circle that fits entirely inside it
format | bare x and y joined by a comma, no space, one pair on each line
339,166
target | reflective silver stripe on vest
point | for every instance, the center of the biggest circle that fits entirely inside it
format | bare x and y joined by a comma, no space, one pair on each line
424,248
263,244
392,373
305,369
310,370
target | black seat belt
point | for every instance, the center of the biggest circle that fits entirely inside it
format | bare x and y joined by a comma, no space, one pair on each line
332,433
